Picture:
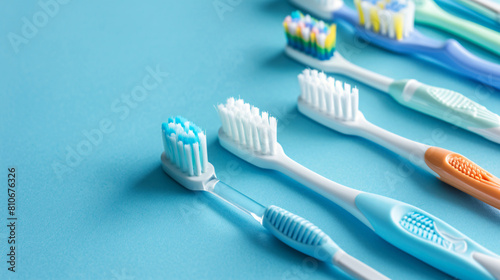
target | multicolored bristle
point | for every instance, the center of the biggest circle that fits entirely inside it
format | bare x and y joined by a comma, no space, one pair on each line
391,18
245,125
332,97
308,35
185,145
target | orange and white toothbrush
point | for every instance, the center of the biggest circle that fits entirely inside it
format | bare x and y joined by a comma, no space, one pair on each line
335,105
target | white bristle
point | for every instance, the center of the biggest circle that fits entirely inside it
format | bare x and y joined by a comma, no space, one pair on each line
197,161
204,153
384,18
355,102
258,132
328,95
305,33
189,160
182,156
174,152
321,39
365,6
241,130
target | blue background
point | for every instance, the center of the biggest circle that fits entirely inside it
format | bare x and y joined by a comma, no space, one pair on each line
113,214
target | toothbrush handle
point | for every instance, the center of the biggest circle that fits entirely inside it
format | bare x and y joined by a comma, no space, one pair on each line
478,34
337,193
455,57
307,238
428,238
488,8
464,175
355,267
480,14
447,105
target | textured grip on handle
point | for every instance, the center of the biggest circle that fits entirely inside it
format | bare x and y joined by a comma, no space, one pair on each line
307,238
464,175
426,237
447,105
299,233
458,59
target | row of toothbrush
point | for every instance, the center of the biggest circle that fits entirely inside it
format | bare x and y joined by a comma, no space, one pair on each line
251,134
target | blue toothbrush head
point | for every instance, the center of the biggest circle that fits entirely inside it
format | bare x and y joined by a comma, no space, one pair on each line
185,145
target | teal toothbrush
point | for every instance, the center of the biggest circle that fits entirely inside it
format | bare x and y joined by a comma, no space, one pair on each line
427,12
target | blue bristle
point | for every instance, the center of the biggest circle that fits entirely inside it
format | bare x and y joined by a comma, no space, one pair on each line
296,15
194,128
190,139
188,135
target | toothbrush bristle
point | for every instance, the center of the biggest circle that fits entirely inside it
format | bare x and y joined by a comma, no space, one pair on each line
248,127
185,145
329,96
311,36
390,18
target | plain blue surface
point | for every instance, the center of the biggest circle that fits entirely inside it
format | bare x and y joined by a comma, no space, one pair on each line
113,214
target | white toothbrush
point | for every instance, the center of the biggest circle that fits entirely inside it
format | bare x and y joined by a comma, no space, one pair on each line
326,100
444,104
185,160
253,137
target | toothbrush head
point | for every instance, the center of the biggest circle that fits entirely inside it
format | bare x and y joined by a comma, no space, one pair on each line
249,128
321,8
329,97
185,153
391,18
308,35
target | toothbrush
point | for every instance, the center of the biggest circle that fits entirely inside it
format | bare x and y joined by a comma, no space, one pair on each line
253,137
480,9
185,160
392,28
429,13
440,103
327,102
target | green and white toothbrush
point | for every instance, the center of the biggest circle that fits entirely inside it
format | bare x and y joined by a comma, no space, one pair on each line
427,12
444,104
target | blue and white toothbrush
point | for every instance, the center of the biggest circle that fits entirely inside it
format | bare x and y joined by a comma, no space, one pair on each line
185,160
253,137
